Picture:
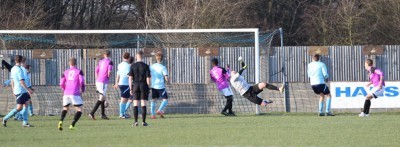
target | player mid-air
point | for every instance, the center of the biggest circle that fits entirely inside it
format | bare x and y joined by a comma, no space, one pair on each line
72,83
251,92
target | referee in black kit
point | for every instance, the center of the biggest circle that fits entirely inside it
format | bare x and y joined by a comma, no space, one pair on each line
139,81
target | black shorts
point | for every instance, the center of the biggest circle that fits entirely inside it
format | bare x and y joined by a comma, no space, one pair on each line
252,93
140,91
159,93
321,88
22,98
124,91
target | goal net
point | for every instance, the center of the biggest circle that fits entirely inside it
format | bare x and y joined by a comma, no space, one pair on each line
187,55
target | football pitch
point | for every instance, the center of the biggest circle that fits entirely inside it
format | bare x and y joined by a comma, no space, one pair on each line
276,129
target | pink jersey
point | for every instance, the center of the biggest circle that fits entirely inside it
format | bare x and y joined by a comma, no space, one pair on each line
71,81
220,76
105,66
376,76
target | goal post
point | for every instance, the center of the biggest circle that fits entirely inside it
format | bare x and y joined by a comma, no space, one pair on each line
207,39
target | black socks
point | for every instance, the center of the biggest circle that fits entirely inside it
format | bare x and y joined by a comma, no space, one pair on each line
271,87
63,114
367,105
76,117
102,108
228,106
96,106
144,112
135,112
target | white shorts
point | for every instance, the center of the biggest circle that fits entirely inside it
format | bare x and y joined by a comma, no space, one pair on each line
75,100
227,91
101,87
376,92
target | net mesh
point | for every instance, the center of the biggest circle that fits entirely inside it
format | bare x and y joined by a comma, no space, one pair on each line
69,41
190,91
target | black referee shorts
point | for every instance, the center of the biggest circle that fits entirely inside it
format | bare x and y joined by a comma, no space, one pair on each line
140,91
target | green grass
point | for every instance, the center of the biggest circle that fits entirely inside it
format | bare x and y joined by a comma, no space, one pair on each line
277,129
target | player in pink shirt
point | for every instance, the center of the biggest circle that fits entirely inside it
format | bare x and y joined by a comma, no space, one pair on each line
377,79
103,74
220,76
72,83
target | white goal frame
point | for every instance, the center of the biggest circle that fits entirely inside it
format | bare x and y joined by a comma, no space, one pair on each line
238,30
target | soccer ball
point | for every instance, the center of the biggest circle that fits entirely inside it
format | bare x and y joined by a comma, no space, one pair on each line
240,58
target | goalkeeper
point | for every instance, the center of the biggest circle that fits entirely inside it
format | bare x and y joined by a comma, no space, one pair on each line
251,92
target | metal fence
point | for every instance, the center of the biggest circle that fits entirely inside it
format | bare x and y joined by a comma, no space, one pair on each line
190,78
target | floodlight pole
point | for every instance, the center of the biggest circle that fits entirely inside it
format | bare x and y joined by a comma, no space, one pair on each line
257,62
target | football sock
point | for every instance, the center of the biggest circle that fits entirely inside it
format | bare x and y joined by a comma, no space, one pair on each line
63,114
321,106
135,112
10,114
30,109
76,118
241,71
144,112
163,104
328,105
96,106
16,115
25,115
367,105
229,104
271,87
153,108
122,107
102,108
127,106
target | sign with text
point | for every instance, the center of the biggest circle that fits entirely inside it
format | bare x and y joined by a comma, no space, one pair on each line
208,51
321,50
94,53
42,54
352,95
150,52
373,50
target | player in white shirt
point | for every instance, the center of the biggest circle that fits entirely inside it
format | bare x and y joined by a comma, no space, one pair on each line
251,92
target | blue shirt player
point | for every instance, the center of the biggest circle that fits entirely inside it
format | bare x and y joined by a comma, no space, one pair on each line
21,92
122,82
159,77
318,74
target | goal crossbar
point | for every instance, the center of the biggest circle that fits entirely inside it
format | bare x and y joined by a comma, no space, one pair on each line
127,31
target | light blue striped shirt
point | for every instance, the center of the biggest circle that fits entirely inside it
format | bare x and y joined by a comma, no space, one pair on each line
317,73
